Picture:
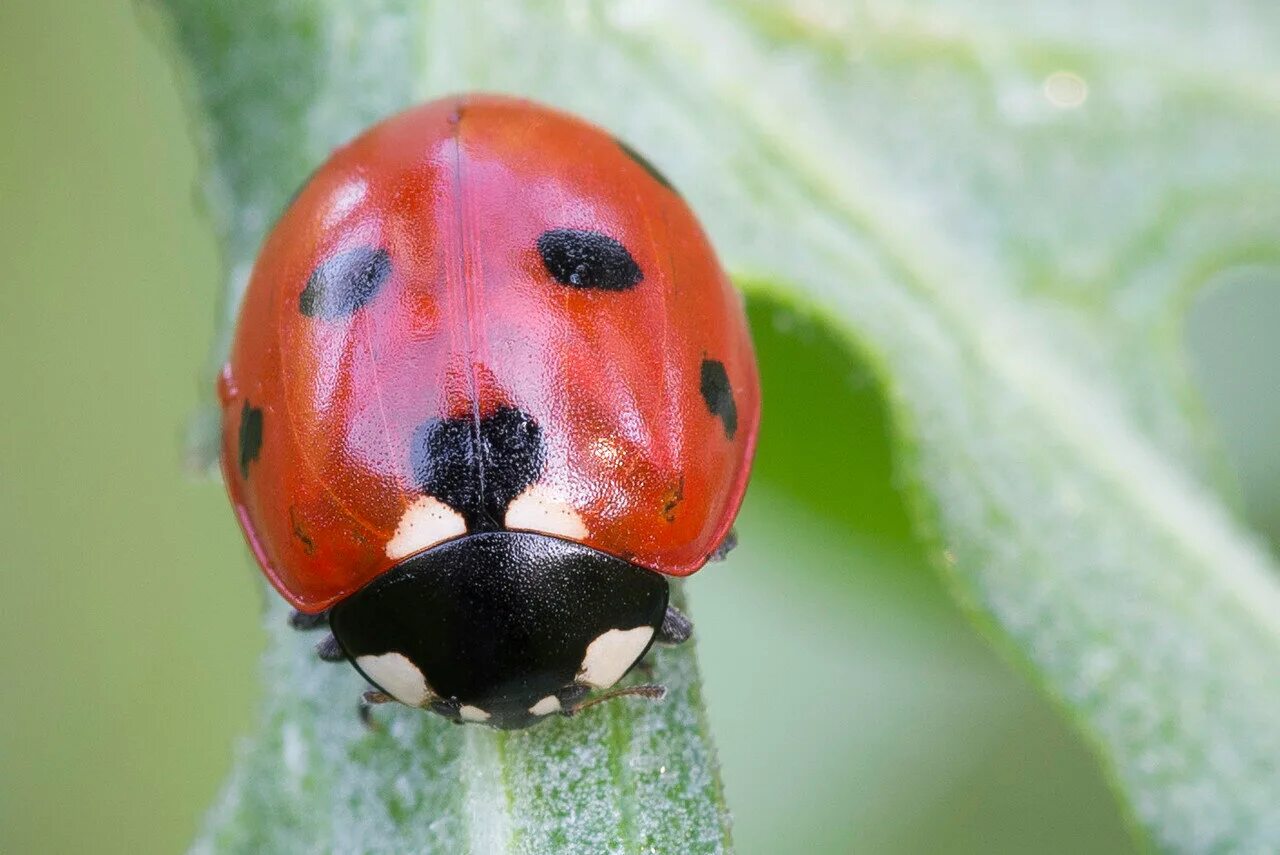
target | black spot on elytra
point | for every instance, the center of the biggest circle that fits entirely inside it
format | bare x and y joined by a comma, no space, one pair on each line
344,282
586,259
478,475
645,164
718,395
250,436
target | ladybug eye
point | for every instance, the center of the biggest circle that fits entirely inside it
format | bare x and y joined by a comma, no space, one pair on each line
586,259
344,282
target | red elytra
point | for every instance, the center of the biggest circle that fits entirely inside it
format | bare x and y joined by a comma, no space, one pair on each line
644,438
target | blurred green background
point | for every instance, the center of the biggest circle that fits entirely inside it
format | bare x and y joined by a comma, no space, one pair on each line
854,707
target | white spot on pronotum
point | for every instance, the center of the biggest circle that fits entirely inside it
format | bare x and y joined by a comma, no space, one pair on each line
397,676
425,523
546,706
469,713
540,508
611,654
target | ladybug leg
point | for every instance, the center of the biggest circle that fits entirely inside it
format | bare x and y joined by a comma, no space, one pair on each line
726,546
329,650
367,702
304,621
676,627
653,693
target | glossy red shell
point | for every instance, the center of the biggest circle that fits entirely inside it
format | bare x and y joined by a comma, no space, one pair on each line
469,319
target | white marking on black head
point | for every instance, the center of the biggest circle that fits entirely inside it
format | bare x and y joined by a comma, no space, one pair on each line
540,508
425,523
718,395
546,706
344,282
250,436
396,675
478,469
466,712
586,259
611,654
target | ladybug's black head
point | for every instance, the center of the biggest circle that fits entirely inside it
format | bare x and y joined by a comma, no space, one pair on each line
501,627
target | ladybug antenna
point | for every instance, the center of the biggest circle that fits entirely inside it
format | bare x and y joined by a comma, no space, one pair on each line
648,690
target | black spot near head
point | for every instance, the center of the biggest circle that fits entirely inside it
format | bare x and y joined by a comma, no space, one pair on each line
478,475
718,395
250,436
585,259
644,163
344,282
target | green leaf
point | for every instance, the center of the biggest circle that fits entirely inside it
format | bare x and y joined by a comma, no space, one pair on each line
1005,207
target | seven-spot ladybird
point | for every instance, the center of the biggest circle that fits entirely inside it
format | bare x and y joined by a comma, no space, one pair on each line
489,388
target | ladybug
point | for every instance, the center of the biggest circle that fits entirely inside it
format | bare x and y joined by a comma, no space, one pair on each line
489,390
